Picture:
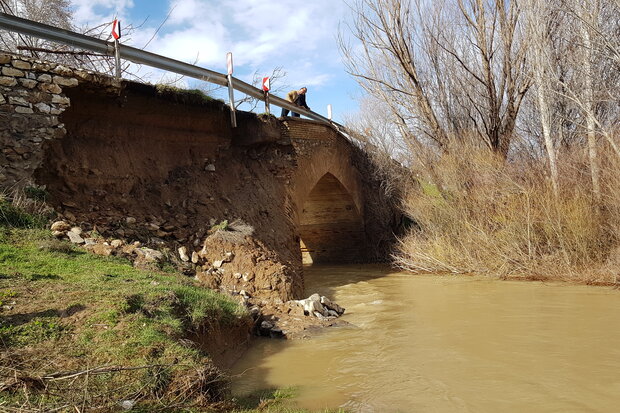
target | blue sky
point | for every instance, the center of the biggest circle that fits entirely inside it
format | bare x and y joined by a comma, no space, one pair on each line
299,36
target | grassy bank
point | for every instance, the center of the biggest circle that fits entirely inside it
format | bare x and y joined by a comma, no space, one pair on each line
80,331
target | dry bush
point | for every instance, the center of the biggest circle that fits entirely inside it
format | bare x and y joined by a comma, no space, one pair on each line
235,232
24,207
483,214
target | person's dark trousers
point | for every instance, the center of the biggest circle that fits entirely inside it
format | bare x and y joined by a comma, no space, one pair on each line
285,112
295,115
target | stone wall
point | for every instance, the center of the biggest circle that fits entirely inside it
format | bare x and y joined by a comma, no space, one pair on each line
32,99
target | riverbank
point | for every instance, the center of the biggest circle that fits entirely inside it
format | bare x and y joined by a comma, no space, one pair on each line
476,212
105,327
83,330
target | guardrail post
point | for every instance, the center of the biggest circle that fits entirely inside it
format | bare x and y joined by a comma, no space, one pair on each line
116,35
231,90
231,98
117,58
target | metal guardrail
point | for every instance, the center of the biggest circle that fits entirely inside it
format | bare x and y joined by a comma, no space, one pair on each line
44,31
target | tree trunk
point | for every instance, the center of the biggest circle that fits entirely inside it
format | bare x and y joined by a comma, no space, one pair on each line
589,102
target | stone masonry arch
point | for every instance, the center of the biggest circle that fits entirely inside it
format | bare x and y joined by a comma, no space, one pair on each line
330,226
326,192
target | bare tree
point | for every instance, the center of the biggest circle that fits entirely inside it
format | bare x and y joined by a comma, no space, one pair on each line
588,92
591,83
451,69
275,78
53,12
538,19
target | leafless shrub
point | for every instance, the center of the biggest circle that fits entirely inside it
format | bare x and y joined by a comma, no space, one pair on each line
505,219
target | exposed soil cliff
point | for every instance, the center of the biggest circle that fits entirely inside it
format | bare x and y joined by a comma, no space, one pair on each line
165,167
142,166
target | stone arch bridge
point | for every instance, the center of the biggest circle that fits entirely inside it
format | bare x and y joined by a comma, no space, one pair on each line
170,160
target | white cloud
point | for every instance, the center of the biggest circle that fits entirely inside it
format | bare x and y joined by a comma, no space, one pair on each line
260,36
85,11
298,36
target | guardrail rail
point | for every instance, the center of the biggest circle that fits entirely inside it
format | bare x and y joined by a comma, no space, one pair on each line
24,26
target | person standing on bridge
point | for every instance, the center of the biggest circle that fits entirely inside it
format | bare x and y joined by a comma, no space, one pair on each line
298,97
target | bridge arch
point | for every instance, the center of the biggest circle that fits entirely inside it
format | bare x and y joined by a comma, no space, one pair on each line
331,228
327,194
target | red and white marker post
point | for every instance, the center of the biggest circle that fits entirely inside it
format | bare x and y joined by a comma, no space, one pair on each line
266,87
231,92
116,33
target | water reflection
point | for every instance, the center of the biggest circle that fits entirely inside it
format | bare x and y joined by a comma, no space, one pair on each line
425,343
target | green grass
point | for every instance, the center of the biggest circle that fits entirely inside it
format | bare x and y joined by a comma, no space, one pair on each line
222,226
37,330
35,193
72,310
12,216
186,96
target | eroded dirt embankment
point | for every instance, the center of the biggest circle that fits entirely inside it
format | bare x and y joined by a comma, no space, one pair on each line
230,206
165,167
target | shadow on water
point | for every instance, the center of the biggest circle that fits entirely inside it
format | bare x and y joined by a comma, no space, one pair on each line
324,278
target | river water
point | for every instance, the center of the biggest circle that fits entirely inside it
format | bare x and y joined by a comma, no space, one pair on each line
448,344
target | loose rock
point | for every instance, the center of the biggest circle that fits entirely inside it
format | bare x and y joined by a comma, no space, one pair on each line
183,254
331,306
266,325
316,304
101,249
75,238
60,226
149,255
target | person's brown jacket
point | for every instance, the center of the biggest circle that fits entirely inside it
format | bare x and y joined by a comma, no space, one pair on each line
292,96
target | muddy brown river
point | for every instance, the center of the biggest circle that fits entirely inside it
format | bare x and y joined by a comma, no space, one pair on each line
448,344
